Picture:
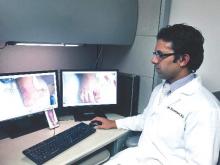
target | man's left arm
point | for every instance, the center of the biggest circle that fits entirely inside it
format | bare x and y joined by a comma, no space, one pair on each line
202,137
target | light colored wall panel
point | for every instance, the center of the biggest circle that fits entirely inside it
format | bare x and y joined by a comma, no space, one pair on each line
148,21
189,12
145,92
137,59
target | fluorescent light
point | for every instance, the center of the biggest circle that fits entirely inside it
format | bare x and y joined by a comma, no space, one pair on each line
37,44
71,45
41,44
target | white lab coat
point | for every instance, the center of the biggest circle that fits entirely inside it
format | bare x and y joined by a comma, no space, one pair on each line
182,130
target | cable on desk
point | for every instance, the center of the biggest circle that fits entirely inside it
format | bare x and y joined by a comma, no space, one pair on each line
54,132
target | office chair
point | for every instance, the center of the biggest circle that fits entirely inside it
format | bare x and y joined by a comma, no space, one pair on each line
217,95
133,139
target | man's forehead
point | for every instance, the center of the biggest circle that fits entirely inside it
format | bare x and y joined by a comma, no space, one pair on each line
167,44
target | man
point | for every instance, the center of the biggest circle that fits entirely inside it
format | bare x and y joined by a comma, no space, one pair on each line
179,127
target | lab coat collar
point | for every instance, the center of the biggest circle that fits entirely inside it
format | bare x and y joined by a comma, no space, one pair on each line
186,90
190,88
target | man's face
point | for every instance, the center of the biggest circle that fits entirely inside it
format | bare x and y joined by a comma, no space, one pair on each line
165,66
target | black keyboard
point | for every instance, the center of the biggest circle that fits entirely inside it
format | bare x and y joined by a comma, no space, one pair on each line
53,146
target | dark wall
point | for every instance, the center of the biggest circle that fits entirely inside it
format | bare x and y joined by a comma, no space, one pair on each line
27,58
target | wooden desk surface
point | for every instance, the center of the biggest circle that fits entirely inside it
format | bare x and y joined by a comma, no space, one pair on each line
11,149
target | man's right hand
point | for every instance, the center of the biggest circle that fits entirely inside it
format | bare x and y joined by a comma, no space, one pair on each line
106,123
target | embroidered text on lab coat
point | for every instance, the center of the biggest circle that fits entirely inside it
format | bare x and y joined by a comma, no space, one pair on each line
178,113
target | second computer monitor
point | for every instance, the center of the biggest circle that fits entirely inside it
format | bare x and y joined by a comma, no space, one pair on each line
88,89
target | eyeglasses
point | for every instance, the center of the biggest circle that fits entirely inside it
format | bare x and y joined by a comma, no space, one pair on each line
161,55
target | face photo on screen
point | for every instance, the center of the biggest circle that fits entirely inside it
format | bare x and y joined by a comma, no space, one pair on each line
28,93
89,88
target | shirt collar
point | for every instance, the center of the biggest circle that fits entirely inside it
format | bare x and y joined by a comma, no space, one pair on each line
181,82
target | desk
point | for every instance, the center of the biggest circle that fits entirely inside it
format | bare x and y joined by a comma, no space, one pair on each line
11,149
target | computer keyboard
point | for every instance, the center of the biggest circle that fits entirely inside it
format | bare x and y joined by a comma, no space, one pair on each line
53,146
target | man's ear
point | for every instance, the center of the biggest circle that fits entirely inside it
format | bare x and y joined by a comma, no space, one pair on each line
184,60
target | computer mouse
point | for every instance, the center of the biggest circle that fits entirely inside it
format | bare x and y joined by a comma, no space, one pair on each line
95,123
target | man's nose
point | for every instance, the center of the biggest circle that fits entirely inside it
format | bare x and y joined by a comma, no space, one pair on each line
154,60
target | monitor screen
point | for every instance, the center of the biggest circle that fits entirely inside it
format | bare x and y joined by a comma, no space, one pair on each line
23,94
81,88
87,94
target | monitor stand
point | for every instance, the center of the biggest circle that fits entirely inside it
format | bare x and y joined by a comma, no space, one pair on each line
25,125
89,115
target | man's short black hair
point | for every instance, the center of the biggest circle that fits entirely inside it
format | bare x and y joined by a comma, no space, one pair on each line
185,39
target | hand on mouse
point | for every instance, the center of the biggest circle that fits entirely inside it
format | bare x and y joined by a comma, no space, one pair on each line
95,123
106,123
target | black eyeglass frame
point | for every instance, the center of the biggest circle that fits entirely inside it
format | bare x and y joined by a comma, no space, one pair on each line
162,55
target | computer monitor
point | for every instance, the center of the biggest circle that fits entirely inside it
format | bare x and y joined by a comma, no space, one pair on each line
25,96
86,93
